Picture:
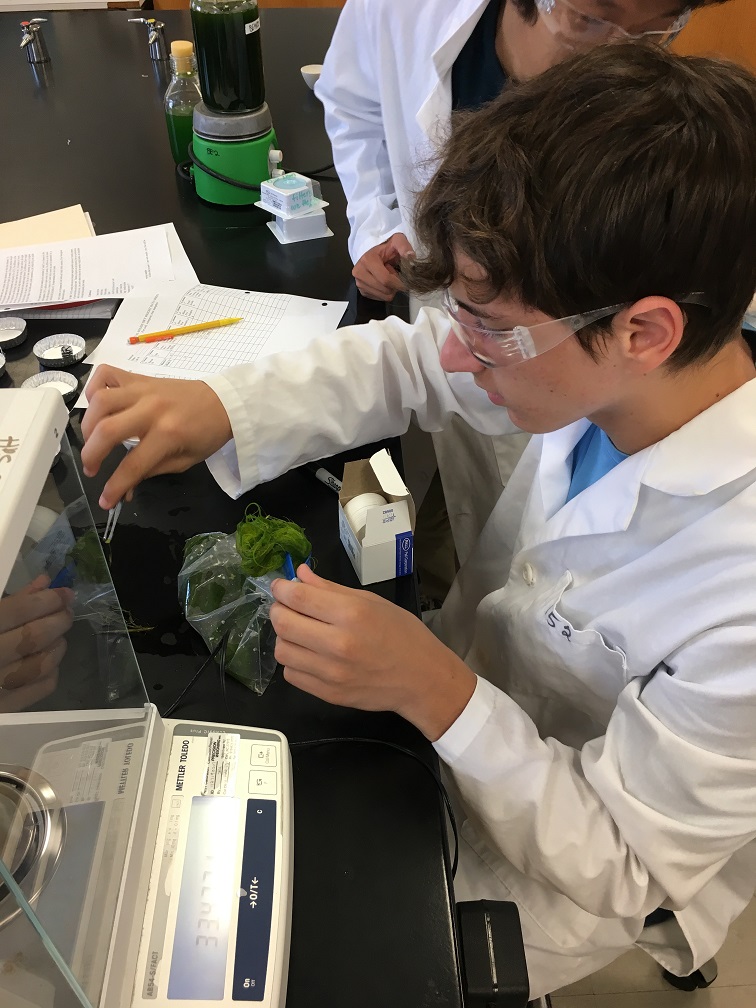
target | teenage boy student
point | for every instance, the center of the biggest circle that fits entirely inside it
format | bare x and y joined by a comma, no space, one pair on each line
591,684
394,72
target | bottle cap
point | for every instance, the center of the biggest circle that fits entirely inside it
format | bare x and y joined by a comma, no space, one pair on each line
181,49
182,56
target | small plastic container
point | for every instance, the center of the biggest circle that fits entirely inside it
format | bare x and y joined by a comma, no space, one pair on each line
303,228
59,351
61,381
287,194
12,332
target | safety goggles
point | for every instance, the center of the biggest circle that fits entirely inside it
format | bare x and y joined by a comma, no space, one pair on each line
577,30
501,347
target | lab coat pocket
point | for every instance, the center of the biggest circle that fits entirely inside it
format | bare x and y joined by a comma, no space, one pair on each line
577,665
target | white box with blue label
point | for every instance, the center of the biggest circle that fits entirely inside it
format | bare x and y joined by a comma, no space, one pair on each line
386,548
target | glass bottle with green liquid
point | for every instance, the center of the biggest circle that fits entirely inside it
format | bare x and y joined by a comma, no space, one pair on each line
182,95
229,55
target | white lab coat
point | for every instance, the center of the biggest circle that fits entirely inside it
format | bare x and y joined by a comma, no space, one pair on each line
606,762
386,91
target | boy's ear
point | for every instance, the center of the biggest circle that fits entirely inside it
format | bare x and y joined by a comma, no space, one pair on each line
650,331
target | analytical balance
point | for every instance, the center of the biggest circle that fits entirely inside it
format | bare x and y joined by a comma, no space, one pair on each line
143,862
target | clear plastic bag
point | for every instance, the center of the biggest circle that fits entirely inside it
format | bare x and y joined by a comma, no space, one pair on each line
219,598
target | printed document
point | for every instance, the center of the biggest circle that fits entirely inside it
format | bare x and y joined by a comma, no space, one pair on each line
82,270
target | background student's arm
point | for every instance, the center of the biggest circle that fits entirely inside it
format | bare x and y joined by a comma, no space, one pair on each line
349,91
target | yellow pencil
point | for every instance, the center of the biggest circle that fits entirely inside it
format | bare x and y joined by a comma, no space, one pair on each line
166,334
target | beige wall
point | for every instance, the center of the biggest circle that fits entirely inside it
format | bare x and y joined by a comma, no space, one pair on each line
724,30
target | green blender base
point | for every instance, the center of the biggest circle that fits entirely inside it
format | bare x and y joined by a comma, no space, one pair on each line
236,146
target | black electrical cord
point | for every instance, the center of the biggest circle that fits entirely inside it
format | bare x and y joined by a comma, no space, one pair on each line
407,752
318,171
222,674
217,175
184,171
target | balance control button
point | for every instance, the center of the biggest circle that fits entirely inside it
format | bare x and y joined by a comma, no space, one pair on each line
263,782
263,755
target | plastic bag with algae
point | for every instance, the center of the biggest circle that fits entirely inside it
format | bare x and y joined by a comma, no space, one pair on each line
224,586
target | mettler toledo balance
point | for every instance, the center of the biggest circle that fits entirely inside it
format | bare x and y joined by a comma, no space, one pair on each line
143,862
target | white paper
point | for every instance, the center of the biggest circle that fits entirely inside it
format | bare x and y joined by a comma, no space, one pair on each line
105,308
82,270
182,267
271,323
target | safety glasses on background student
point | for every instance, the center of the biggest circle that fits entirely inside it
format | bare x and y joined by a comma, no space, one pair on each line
500,347
576,29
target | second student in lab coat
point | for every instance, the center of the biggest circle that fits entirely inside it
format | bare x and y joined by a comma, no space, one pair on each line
591,683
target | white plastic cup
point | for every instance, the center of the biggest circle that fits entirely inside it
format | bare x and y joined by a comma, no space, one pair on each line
311,73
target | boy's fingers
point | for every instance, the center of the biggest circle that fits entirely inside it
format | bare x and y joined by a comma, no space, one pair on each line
111,418
148,458
38,636
20,609
307,682
106,376
315,600
30,668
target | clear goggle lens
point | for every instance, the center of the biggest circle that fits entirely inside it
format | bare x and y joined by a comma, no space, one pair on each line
501,347
576,29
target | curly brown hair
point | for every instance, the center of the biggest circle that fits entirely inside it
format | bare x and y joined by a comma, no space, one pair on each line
622,172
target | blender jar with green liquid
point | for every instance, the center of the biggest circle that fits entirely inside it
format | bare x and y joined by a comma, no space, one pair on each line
229,56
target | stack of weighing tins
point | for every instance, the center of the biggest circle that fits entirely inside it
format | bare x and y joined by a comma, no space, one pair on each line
386,548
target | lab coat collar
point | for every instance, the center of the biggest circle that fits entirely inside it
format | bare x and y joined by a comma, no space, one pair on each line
434,110
715,448
607,506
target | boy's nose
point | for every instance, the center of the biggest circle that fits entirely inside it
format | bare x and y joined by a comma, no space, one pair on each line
456,357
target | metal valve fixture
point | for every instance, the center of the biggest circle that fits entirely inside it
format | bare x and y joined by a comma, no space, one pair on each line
155,37
33,42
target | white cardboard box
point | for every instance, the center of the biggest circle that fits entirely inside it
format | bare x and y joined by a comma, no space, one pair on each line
386,550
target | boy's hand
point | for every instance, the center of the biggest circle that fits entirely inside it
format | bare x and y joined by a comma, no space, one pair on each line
179,423
356,649
33,624
376,273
